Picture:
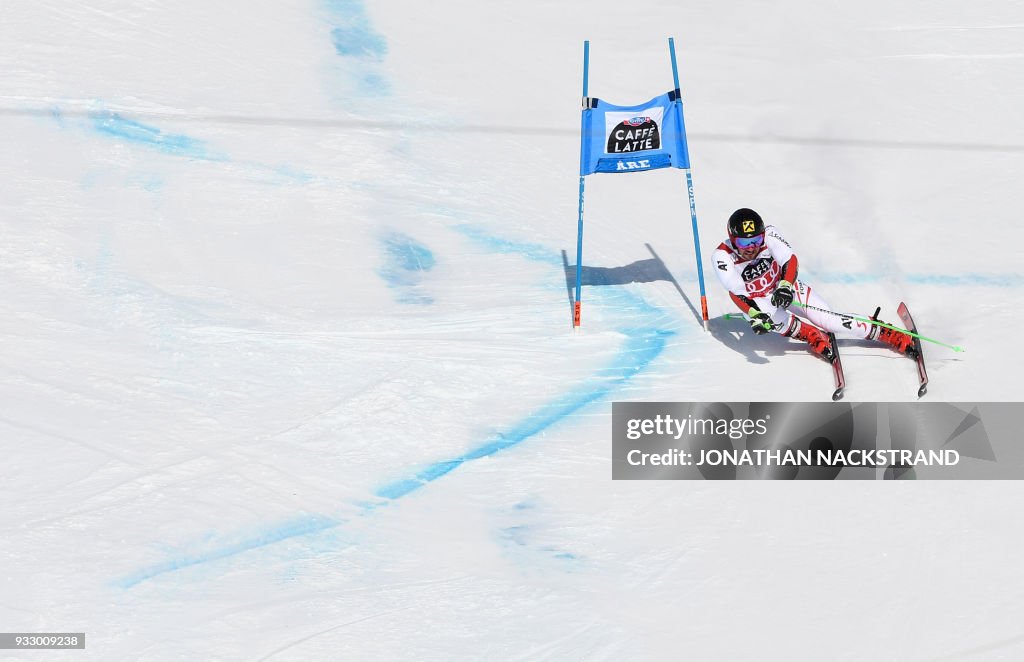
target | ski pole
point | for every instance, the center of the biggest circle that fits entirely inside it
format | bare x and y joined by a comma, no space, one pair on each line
955,348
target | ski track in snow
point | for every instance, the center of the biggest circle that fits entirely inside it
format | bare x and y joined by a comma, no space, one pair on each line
265,455
641,347
117,127
405,261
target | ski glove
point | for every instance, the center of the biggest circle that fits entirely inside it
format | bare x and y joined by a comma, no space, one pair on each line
759,321
783,294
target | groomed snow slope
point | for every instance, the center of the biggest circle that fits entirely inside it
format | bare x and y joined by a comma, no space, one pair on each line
288,370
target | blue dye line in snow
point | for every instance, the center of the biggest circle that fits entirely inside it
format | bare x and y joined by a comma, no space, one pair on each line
115,126
292,174
374,84
356,42
354,38
537,252
521,535
407,254
640,349
291,529
406,262
354,35
642,346
112,124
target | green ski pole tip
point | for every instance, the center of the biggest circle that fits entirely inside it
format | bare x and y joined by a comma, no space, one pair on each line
955,348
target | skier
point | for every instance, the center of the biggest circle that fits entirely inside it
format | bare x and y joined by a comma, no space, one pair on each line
758,267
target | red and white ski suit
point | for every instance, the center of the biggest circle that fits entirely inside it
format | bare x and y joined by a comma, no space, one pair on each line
751,283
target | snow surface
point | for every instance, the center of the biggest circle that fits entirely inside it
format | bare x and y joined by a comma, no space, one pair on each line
288,371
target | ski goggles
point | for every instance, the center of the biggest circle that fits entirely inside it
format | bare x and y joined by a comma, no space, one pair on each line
748,242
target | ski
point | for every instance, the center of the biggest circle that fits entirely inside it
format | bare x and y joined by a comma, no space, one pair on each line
908,322
837,369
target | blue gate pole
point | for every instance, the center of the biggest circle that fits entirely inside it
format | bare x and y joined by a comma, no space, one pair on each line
579,231
689,184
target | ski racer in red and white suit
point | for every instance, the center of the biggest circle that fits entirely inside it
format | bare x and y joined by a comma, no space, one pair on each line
760,270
